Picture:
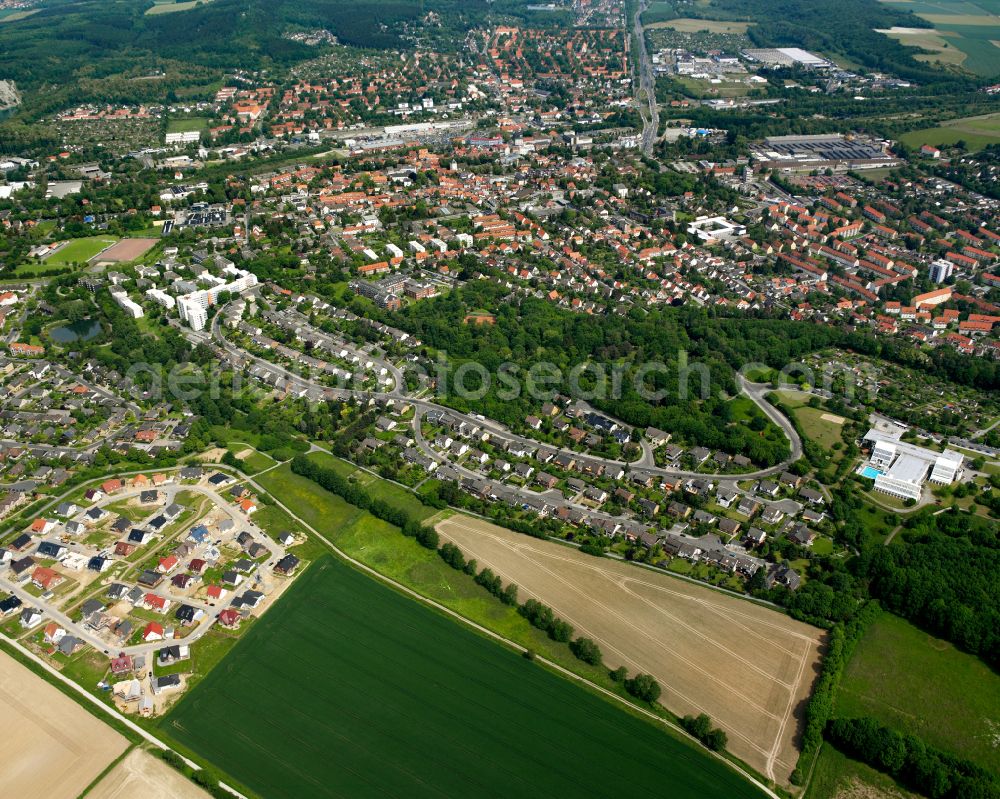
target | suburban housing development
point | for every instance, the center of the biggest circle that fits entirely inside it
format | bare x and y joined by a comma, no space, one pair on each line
590,398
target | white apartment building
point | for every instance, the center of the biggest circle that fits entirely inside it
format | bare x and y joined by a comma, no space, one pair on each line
161,297
131,308
193,307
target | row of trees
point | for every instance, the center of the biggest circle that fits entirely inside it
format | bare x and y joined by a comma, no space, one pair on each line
840,646
355,495
701,728
909,760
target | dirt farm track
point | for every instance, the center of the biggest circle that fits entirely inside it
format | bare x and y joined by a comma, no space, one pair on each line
748,667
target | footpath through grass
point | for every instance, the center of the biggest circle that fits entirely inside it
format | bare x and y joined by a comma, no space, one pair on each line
916,683
347,688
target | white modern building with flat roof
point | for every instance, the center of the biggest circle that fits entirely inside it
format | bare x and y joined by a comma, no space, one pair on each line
904,468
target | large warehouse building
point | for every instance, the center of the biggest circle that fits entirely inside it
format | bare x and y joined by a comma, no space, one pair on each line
823,151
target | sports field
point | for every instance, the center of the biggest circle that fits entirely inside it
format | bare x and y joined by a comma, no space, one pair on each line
349,689
53,748
127,250
916,683
750,668
79,250
186,124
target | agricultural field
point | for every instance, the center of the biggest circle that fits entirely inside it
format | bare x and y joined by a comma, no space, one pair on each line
54,748
169,7
972,28
976,132
748,667
937,42
402,701
916,683
79,250
141,774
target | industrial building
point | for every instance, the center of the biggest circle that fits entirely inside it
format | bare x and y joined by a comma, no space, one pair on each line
787,57
901,469
823,151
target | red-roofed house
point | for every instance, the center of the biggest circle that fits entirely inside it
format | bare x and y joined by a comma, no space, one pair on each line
230,618
153,632
45,578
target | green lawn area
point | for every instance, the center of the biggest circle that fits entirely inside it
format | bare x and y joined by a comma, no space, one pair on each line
836,776
79,250
347,688
877,522
976,132
703,87
916,683
255,461
377,487
340,466
326,512
822,431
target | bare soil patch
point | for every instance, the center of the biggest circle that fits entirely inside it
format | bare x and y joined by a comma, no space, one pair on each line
142,774
54,748
748,667
126,250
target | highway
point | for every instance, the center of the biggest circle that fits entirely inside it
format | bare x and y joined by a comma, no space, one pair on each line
645,85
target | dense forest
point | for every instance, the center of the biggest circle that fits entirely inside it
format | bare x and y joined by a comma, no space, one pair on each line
946,580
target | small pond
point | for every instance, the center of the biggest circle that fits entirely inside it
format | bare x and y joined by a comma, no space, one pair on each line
84,330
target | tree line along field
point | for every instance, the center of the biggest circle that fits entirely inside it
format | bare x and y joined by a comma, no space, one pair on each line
348,688
746,666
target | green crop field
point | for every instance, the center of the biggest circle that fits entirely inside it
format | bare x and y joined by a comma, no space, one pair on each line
970,28
916,683
347,688
79,250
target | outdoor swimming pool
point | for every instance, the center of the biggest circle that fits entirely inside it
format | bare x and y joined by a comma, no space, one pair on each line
870,472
